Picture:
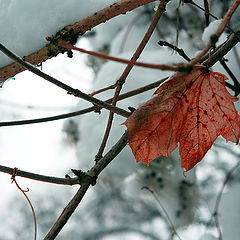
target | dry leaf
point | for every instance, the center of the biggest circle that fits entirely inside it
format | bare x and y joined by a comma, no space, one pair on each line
192,110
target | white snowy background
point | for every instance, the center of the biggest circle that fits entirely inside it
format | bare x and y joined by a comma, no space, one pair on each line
44,149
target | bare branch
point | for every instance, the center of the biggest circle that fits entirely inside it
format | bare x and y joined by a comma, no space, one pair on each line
218,33
38,177
206,12
175,48
221,50
160,10
70,90
131,62
78,28
228,70
86,110
94,172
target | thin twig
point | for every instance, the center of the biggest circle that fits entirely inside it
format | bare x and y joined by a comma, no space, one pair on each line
175,48
151,15
219,196
93,172
130,26
218,33
228,70
14,173
221,50
178,21
217,54
42,178
120,82
131,62
70,90
103,89
206,7
84,111
235,52
209,13
163,209
78,28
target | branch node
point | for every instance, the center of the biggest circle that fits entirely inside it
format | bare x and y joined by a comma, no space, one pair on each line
185,69
214,38
84,177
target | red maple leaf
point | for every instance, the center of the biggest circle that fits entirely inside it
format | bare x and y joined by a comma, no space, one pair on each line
192,110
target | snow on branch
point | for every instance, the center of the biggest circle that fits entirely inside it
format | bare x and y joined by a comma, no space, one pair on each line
71,32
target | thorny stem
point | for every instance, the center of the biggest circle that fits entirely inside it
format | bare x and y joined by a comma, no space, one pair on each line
70,90
76,29
93,172
143,43
86,110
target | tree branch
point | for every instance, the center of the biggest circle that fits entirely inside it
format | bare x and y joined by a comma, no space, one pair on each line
84,111
131,62
160,10
70,90
72,31
42,178
214,37
221,50
93,172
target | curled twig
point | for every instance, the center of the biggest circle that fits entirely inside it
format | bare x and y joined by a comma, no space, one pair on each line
14,173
